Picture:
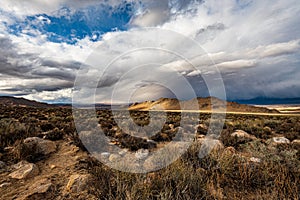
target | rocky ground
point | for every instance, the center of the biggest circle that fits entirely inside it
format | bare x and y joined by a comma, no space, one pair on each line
42,157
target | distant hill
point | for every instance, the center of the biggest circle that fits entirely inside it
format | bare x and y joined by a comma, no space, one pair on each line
270,101
205,104
22,102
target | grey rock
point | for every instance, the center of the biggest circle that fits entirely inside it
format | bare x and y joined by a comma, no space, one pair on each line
24,170
243,134
280,140
41,146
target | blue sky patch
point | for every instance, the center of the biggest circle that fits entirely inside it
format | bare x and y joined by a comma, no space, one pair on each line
93,22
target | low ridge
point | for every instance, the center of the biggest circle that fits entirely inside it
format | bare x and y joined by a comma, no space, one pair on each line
204,104
22,102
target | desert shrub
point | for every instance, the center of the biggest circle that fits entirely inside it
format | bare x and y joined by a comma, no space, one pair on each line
12,130
178,181
292,135
24,152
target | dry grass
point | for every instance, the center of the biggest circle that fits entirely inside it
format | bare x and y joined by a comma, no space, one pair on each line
226,175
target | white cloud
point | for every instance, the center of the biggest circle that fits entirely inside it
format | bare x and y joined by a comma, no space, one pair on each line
250,39
50,96
20,8
237,64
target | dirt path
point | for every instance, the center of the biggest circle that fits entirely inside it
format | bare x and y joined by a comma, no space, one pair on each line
56,169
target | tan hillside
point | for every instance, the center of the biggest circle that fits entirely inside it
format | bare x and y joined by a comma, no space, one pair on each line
204,104
6,101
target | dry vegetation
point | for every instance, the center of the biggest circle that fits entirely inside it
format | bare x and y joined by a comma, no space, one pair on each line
245,168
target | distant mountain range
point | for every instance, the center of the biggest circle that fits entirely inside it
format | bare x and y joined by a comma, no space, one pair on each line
270,101
169,104
22,102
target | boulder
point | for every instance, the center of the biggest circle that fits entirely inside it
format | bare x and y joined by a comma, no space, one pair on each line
278,140
212,147
242,134
24,170
41,146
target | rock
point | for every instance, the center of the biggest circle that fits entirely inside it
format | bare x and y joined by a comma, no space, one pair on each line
78,183
267,130
255,160
141,154
41,146
171,126
114,158
123,152
5,185
296,142
104,155
52,166
212,147
40,187
24,170
242,134
278,140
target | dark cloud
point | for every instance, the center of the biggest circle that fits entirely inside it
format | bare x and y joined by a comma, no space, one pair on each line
30,73
213,27
255,44
153,12
107,81
12,63
69,65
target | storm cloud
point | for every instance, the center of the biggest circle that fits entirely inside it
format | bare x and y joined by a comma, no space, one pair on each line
253,44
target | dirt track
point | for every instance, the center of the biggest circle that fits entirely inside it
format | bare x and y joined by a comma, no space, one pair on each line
237,113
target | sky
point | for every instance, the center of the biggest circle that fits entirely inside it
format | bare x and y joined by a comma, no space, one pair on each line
115,50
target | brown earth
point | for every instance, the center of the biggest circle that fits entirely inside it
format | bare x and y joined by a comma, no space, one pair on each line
13,101
204,104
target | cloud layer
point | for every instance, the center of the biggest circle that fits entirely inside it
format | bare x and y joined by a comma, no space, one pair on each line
254,44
